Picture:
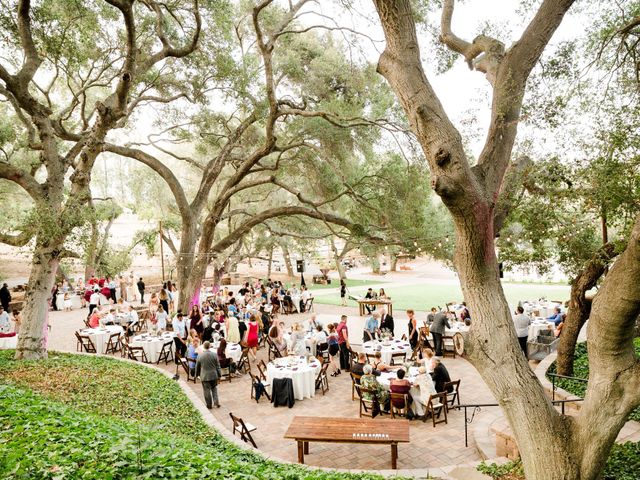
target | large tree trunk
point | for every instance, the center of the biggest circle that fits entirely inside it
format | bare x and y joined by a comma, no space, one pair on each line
394,262
32,341
580,307
185,264
287,261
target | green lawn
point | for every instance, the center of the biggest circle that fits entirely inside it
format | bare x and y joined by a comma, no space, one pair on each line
423,297
336,284
95,418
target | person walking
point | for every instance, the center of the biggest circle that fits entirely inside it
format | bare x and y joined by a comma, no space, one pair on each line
440,321
522,322
141,290
208,369
5,297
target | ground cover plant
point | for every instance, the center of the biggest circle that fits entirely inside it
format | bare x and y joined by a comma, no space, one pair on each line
90,417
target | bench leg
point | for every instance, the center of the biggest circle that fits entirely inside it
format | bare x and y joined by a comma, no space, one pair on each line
301,451
306,448
394,456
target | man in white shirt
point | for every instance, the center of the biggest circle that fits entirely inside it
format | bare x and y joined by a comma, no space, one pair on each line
304,296
132,318
312,323
5,322
94,300
180,329
522,322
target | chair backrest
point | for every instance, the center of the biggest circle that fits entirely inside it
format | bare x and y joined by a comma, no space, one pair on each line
398,356
355,378
399,401
451,390
371,357
262,371
86,342
137,354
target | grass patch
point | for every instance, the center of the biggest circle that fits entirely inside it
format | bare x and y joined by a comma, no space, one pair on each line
423,297
86,417
350,283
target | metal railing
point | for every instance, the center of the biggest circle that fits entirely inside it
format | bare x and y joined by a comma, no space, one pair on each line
555,387
477,407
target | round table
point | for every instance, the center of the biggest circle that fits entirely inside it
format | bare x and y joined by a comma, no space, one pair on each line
100,336
385,380
539,325
302,374
233,350
152,345
8,342
395,346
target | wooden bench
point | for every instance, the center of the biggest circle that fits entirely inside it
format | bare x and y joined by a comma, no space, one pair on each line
348,430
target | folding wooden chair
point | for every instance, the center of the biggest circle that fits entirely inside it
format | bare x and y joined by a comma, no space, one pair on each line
398,358
400,398
308,306
182,362
113,344
85,343
137,354
355,382
448,347
454,396
262,370
166,353
243,364
254,381
436,406
371,357
245,429
322,381
367,401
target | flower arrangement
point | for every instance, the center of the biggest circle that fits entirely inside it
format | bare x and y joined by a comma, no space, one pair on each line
386,336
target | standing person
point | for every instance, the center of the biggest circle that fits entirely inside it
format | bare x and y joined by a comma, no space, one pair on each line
251,336
180,329
233,331
386,322
164,298
195,320
5,297
522,322
343,343
17,320
54,297
141,290
371,328
94,300
343,293
171,292
123,289
112,290
208,368
440,321
431,315
131,292
412,328
334,348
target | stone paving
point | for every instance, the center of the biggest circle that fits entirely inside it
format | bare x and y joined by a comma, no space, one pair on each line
429,448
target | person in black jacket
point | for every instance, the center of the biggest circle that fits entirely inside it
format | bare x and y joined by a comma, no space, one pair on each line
440,375
5,297
386,321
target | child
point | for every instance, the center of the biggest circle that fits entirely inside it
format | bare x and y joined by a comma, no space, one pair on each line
67,302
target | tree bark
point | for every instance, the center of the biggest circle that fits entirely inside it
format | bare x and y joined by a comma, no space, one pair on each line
32,341
394,262
580,306
287,260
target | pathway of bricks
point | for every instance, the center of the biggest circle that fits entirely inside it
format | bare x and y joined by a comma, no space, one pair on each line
429,448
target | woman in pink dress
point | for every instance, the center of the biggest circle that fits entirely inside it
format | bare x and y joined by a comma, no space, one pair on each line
251,336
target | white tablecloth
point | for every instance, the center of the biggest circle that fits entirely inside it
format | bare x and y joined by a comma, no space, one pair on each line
152,346
542,309
396,346
385,380
537,326
8,342
302,374
100,336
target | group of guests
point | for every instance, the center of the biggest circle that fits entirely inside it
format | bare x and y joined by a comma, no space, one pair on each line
522,321
8,324
431,379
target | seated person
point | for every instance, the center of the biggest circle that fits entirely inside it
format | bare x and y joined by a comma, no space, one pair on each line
440,375
378,365
5,321
109,318
94,318
428,355
426,386
225,362
556,318
312,323
277,337
358,367
378,392
400,385
161,318
321,340
558,329
370,296
192,353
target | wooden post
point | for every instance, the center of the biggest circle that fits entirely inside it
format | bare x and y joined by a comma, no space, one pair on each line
300,451
394,456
